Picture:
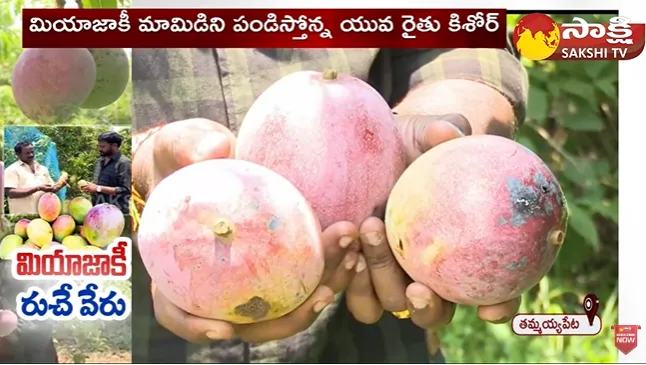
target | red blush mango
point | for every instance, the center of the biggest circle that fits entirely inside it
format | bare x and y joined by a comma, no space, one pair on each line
479,220
231,240
333,136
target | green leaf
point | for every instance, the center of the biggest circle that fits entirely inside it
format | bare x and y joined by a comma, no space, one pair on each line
582,223
109,4
582,89
594,68
607,209
583,119
538,103
527,141
611,71
608,88
580,171
104,4
87,4
554,89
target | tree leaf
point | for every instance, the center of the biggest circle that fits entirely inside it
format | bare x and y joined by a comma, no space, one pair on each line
87,4
583,119
608,209
582,223
594,68
537,104
579,88
109,4
608,88
579,171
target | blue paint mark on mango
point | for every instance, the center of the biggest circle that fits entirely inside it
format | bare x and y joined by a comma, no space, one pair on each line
518,264
533,199
273,223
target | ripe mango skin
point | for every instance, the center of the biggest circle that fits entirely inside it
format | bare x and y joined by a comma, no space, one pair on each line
479,220
231,240
49,84
112,76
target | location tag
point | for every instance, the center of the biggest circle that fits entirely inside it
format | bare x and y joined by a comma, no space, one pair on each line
591,306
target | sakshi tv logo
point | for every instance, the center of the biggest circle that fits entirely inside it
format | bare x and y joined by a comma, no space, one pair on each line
538,37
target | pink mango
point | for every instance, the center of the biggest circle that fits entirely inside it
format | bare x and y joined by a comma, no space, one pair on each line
103,224
49,207
63,226
231,240
332,136
20,228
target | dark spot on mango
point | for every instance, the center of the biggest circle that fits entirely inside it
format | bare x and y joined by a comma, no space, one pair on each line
256,309
273,223
400,245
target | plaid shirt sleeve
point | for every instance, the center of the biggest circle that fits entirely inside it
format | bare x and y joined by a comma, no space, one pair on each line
172,85
499,69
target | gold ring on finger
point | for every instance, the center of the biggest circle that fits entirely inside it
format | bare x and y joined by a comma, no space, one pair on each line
405,314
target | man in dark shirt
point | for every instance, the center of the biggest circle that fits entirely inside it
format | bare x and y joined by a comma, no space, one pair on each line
111,181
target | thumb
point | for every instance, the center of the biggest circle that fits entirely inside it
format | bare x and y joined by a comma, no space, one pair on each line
186,142
423,132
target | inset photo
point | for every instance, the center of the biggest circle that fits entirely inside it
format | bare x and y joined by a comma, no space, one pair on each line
53,86
67,186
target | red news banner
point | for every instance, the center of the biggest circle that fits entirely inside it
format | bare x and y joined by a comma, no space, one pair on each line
265,28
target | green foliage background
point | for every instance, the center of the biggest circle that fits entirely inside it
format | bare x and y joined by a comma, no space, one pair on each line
572,124
117,113
76,148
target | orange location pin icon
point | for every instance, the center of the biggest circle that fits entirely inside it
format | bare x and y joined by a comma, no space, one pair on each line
591,306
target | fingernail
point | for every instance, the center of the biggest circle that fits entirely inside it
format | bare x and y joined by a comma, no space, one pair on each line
319,306
350,261
502,320
449,123
345,241
208,145
375,238
361,264
459,121
212,335
418,303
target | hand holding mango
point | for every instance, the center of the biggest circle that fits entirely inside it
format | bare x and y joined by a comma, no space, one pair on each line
62,180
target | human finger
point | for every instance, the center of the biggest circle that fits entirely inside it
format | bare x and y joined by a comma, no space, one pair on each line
185,325
290,324
499,313
361,298
388,279
186,142
344,273
427,309
421,133
338,239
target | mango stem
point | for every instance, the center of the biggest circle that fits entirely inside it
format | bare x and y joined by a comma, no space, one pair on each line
330,74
